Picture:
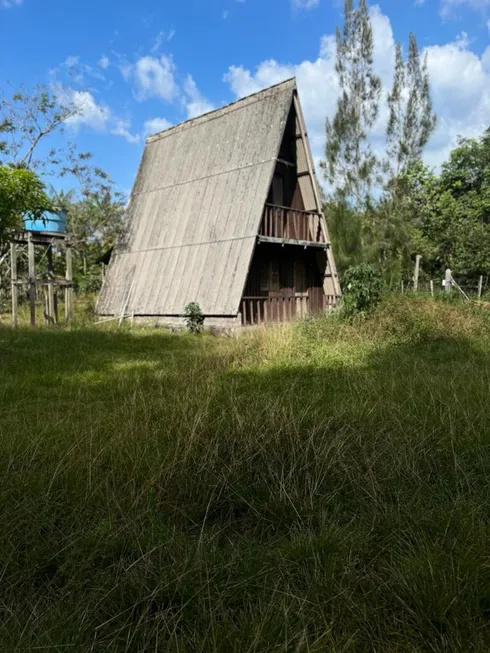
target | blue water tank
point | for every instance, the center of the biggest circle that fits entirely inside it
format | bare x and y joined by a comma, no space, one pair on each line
54,222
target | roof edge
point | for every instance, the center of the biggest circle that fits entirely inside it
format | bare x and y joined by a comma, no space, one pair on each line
291,81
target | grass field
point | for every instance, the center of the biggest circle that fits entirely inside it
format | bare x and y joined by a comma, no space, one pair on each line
317,488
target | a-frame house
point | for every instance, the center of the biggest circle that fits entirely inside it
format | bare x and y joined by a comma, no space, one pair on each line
226,212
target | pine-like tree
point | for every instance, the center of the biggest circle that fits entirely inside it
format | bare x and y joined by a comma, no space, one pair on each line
350,165
412,120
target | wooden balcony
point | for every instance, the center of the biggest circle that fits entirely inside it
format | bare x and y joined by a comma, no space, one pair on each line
281,224
260,310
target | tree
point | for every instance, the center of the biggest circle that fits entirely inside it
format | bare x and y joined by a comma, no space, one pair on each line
96,222
21,192
449,214
27,119
350,165
412,121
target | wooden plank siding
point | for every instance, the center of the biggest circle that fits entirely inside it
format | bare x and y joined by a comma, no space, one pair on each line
284,283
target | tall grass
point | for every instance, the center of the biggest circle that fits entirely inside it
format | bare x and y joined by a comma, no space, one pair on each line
317,487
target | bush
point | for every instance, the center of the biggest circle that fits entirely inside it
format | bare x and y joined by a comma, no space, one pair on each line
194,318
362,290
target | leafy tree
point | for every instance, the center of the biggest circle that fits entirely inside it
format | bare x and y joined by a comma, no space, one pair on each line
412,121
96,222
21,192
449,214
350,164
29,121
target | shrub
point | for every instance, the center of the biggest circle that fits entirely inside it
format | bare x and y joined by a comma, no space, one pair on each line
362,290
194,318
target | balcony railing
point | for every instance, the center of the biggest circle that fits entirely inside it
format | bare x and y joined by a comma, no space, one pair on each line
259,310
291,224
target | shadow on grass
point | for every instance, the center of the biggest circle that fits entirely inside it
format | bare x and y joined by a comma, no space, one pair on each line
179,503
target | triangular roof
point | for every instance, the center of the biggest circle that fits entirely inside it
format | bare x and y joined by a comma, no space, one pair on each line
196,209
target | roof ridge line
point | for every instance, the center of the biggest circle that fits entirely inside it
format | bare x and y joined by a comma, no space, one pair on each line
154,137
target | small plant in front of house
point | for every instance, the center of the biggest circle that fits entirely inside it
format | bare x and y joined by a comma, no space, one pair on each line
194,318
362,290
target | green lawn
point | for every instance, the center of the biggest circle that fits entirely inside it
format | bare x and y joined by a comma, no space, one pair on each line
322,487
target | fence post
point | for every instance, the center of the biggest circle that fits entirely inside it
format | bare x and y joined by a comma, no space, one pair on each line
416,274
13,279
432,288
403,287
480,286
448,281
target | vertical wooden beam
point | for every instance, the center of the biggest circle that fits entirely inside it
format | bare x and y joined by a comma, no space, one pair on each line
448,282
266,312
32,277
69,286
480,286
418,258
13,278
51,311
51,304
432,288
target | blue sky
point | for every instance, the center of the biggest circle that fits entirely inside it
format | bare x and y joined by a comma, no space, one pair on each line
136,67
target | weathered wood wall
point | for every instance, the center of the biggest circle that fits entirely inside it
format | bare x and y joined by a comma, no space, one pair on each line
290,277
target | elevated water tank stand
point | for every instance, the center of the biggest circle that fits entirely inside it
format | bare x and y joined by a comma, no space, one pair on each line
47,240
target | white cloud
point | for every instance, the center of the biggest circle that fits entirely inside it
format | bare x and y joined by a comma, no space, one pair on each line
77,70
161,37
194,102
155,125
153,77
305,4
460,81
104,62
89,112
449,7
121,128
72,61
7,4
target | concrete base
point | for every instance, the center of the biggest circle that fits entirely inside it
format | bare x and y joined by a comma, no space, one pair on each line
211,324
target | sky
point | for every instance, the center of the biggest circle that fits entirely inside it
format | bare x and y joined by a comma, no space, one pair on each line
136,67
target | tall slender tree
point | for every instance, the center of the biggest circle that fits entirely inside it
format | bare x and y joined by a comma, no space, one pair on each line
412,120
350,165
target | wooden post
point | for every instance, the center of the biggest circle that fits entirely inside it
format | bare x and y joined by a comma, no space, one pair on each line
416,274
432,288
480,286
13,278
448,281
52,317
69,286
32,277
403,287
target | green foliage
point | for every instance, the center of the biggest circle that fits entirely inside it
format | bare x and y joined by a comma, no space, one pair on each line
411,119
349,161
317,489
450,213
194,318
21,193
362,290
29,119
